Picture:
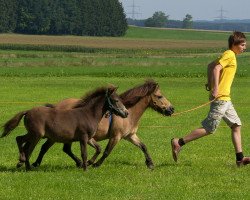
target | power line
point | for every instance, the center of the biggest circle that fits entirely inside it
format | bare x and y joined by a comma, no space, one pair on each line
221,17
133,11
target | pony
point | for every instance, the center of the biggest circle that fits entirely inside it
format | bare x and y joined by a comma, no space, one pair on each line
136,100
65,126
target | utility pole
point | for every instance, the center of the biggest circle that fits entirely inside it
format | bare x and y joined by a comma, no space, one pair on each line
134,12
221,17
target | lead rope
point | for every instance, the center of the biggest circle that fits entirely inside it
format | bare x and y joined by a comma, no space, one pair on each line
195,108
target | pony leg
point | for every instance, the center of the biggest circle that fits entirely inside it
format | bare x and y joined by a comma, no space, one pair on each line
45,147
137,142
67,150
28,149
111,144
21,140
97,147
83,145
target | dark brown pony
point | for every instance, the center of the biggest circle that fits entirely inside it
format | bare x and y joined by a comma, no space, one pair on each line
66,126
136,100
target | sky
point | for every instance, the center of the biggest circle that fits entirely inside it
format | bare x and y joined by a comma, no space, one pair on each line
199,9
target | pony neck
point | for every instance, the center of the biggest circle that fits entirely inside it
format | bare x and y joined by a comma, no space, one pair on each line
139,108
96,108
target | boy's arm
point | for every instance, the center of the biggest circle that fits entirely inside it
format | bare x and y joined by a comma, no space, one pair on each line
210,68
215,78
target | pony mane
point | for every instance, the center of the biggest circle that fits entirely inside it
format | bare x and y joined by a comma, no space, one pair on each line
132,96
90,95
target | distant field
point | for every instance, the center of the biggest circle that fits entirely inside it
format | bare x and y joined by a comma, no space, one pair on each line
136,38
175,34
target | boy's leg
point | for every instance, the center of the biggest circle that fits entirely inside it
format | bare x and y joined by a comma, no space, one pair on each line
209,125
232,119
236,139
177,143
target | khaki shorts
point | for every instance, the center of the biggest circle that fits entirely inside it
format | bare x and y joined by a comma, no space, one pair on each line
220,109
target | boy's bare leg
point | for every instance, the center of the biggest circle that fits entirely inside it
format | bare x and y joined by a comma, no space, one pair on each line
201,132
177,143
236,138
195,134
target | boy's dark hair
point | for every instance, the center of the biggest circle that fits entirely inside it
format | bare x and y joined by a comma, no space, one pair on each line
236,38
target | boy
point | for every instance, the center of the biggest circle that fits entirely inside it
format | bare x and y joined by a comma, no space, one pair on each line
220,77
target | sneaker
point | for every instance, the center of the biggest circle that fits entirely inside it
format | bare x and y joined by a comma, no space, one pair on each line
244,161
175,148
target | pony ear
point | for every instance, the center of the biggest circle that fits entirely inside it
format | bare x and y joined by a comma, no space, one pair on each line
111,89
157,86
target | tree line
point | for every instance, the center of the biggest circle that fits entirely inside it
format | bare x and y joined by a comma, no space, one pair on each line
160,19
60,17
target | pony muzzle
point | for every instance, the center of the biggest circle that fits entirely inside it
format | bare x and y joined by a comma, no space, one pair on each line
121,112
169,111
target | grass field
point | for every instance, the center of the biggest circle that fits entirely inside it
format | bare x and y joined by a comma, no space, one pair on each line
206,169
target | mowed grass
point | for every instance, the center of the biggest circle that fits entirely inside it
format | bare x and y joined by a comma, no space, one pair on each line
206,167
184,64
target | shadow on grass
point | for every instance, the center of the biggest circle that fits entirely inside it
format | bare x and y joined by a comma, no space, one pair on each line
124,163
139,165
117,163
43,168
10,169
172,164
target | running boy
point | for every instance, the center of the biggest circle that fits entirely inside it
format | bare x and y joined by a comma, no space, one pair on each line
220,77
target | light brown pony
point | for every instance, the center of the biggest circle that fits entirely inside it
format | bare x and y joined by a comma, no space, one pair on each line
136,100
66,126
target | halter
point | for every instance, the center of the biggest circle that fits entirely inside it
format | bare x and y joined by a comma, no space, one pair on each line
111,107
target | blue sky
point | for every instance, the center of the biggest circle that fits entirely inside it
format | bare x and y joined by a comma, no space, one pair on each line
199,9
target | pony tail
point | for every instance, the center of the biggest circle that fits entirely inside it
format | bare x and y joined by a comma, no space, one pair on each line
12,123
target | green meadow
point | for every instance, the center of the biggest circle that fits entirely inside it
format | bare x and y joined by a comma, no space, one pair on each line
32,74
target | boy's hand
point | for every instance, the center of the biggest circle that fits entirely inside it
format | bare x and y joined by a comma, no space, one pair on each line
215,93
207,86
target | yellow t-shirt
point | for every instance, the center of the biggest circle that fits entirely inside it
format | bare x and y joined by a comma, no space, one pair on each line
229,66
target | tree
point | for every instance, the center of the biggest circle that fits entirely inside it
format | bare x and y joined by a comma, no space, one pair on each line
159,19
117,22
33,17
74,17
7,15
187,22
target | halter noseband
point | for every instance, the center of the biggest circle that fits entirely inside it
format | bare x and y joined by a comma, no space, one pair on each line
111,107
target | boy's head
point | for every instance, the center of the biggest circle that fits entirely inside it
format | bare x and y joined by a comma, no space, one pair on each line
237,41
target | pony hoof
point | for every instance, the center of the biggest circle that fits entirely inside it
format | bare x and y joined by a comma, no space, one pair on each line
19,164
84,168
150,165
90,163
79,165
35,165
95,165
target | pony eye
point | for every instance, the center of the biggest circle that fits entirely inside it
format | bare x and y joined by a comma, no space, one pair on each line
159,97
